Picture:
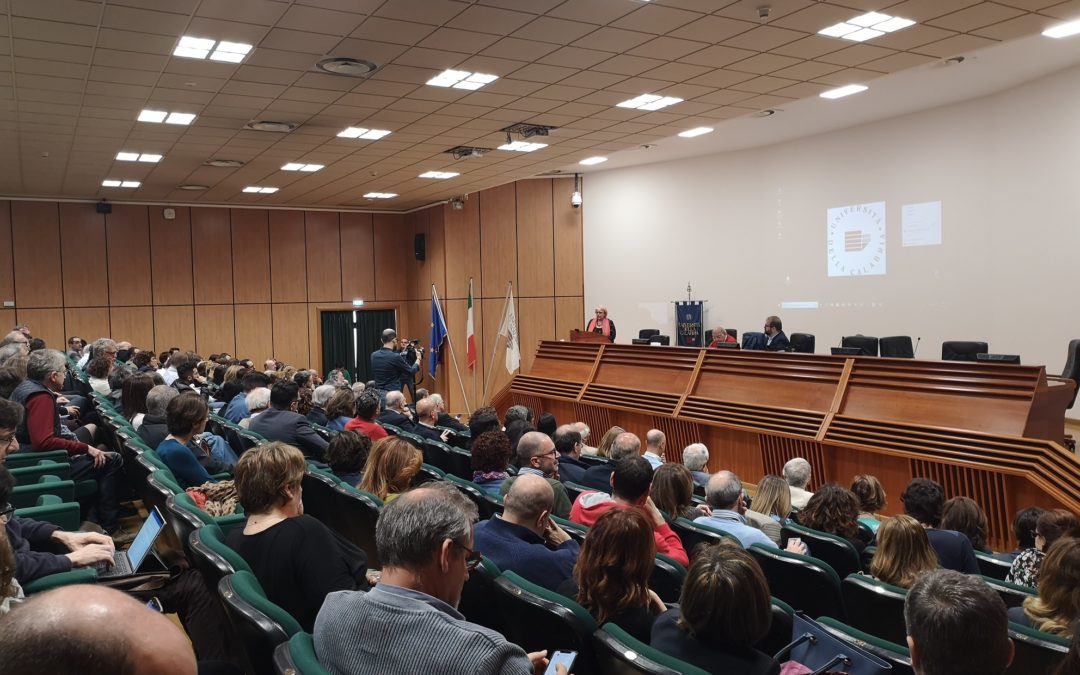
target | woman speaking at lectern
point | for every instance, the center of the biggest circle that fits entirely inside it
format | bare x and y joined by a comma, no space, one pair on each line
601,324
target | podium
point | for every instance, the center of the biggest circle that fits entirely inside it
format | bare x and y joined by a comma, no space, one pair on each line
584,336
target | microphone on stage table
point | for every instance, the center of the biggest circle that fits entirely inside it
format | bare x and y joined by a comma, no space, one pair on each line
916,350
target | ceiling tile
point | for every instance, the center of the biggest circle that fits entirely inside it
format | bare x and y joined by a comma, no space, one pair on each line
434,12
814,17
593,80
803,89
717,56
955,45
898,61
144,21
435,59
613,39
1022,26
721,78
925,10
624,64
764,38
811,47
298,41
318,20
848,76
560,92
455,40
542,73
656,19
262,12
764,84
389,30
763,63
575,57
549,29
712,29
676,72
516,48
976,16
68,11
856,55
490,20
598,12
53,31
668,48
806,70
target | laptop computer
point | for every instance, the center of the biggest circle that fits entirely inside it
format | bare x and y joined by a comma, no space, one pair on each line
127,563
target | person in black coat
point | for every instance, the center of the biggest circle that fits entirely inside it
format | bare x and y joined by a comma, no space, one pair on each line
924,501
388,366
395,412
775,340
568,443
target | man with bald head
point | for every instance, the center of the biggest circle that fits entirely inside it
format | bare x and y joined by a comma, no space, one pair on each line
537,456
396,413
524,539
91,630
427,416
599,477
655,444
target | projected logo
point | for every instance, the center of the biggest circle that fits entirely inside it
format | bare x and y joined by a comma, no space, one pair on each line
856,240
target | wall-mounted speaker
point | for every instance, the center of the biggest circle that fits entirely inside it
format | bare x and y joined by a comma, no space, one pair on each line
103,207
420,246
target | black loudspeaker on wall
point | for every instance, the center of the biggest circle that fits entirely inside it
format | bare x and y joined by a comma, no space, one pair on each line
103,207
420,246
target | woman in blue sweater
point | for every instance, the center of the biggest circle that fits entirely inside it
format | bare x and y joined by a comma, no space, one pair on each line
186,417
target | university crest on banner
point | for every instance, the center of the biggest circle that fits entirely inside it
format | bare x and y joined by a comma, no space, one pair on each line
688,323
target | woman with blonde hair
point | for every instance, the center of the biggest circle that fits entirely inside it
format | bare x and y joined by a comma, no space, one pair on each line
391,466
604,449
772,507
903,552
1058,604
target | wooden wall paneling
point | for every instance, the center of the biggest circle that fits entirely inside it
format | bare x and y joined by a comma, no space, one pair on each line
174,326
393,257
291,333
89,323
214,329
250,256
134,324
457,322
436,252
420,270
170,258
491,317
288,258
7,319
7,268
461,245
211,241
535,238
569,274
47,324
498,240
82,249
323,244
254,332
127,233
357,256
535,322
36,248
569,314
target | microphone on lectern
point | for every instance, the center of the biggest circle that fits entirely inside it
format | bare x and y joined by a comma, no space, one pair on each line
916,350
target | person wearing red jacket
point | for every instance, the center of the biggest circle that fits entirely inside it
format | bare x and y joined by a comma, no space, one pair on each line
630,484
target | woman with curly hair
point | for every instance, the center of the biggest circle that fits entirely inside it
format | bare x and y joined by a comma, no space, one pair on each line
903,552
834,510
611,578
490,457
1051,526
1058,604
347,454
963,515
391,466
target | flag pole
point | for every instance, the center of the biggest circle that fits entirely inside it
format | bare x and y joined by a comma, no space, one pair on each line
495,345
453,357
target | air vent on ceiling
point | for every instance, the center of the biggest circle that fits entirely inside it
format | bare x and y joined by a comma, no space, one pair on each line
224,163
192,187
347,67
529,130
464,151
553,172
271,126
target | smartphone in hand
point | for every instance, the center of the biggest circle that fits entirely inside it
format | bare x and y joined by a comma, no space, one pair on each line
565,658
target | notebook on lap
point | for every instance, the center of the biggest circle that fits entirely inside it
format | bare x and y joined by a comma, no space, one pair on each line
127,563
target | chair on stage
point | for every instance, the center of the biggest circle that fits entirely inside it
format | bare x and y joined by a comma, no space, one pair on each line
897,347
1072,368
961,350
646,333
803,343
864,343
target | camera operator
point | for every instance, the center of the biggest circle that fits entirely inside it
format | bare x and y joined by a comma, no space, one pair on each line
414,356
388,366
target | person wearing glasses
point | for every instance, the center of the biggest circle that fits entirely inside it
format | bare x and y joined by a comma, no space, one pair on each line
537,454
775,340
409,622
16,338
296,558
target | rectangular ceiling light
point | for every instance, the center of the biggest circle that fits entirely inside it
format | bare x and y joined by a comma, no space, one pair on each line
363,134
159,116
649,102
380,195
110,183
262,190
696,131
1063,30
136,157
438,174
866,27
120,183
522,146
841,92
589,161
200,48
130,184
295,166
461,79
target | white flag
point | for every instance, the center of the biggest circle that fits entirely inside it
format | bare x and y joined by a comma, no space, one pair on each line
509,330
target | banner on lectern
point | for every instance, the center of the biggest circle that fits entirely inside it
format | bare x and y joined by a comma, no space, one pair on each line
688,325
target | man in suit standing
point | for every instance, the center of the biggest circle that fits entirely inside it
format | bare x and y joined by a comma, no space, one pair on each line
388,366
775,340
282,423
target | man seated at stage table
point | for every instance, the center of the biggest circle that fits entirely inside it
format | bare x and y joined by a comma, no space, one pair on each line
602,324
775,340
720,335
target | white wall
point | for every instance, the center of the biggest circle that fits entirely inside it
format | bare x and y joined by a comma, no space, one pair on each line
748,229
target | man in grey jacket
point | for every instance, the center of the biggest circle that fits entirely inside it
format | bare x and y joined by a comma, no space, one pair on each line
409,622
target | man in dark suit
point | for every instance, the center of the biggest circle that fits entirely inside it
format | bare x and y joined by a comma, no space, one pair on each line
924,500
568,443
282,423
775,340
446,419
599,477
427,414
396,413
388,366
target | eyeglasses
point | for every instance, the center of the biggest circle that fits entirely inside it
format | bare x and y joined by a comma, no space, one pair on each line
7,440
472,558
6,512
553,453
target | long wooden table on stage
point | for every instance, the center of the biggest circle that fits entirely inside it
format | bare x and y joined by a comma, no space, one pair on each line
990,431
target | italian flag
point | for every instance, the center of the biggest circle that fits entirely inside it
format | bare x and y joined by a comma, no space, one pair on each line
470,334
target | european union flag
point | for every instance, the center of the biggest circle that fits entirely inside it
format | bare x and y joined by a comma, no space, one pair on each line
438,334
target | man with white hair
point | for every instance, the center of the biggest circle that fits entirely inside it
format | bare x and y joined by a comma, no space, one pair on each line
319,398
396,413
584,430
16,337
695,456
797,474
655,444
446,419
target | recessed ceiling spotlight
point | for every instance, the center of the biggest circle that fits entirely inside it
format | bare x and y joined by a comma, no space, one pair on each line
846,90
137,157
347,67
224,163
866,26
200,48
696,131
161,116
767,112
438,174
589,161
120,183
461,79
295,166
649,102
193,187
1063,30
380,195
262,190
271,126
522,146
363,134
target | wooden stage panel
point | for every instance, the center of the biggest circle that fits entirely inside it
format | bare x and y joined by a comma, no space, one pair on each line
769,379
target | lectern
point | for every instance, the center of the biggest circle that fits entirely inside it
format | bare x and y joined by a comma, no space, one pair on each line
585,336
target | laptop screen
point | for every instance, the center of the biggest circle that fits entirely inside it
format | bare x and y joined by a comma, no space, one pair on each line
145,539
